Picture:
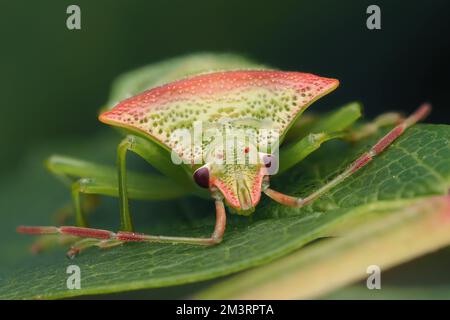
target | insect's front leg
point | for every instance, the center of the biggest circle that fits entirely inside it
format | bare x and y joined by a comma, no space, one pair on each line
89,180
106,239
294,153
365,158
158,158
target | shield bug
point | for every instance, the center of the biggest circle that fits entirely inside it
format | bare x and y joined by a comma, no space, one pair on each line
222,132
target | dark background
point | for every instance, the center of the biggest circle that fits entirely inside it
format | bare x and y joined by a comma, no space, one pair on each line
53,80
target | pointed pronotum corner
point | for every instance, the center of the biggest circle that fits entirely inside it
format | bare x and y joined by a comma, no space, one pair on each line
215,97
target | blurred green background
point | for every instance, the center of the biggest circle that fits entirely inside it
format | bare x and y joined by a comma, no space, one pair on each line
53,80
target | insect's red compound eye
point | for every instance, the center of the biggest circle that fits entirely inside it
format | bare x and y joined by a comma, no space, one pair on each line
267,159
201,177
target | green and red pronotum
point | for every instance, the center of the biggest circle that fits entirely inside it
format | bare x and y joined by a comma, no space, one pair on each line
249,101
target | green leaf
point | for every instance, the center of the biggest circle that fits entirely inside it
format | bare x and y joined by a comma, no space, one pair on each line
415,167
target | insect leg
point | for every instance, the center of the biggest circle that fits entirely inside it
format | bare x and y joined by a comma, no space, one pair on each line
105,238
379,147
368,129
329,127
61,167
78,187
294,153
126,222
88,181
83,244
156,157
335,121
338,120
79,190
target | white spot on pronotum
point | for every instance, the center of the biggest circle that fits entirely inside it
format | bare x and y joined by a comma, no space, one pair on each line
374,19
374,280
73,21
74,280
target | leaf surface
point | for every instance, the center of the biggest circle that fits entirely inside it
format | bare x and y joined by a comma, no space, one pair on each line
414,167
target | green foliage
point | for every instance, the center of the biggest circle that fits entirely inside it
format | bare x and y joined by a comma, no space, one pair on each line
416,166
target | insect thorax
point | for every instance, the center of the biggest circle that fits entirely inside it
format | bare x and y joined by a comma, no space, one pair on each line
225,142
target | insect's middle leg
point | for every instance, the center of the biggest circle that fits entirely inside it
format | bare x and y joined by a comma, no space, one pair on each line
365,158
63,169
88,180
81,186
